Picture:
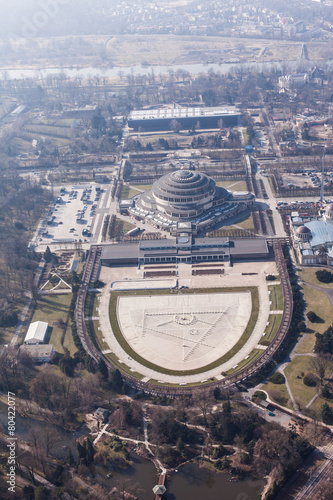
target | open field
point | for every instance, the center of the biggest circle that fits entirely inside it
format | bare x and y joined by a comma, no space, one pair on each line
127,50
318,302
308,275
246,223
50,131
232,185
307,346
317,404
295,368
278,393
128,192
50,309
122,227
141,187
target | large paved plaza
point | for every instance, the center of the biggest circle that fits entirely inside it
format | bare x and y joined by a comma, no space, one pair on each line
185,331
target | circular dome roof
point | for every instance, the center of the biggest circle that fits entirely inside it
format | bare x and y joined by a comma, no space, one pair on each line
184,194
303,230
181,175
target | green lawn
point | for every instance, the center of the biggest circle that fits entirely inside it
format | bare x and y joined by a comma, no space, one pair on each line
246,362
246,223
49,130
128,192
307,346
141,187
233,185
277,393
319,402
302,393
6,335
272,328
308,275
318,302
122,227
19,145
50,309
276,297
246,335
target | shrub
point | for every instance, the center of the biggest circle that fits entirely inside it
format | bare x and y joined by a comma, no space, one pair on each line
324,276
310,379
324,342
327,414
312,316
326,393
258,396
277,378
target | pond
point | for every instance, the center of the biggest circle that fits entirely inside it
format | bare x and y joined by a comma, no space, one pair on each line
190,482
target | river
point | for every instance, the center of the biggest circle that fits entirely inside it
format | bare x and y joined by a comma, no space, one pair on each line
115,71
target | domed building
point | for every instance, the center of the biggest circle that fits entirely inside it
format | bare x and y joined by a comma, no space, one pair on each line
303,233
183,194
187,196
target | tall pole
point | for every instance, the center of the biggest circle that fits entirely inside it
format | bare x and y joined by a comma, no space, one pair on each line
322,178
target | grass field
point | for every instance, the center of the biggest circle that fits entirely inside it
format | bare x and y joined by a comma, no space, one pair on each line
128,192
246,335
50,309
246,362
302,393
272,328
49,130
246,223
318,302
276,297
19,145
307,346
308,275
233,185
319,402
142,187
122,227
278,393
6,335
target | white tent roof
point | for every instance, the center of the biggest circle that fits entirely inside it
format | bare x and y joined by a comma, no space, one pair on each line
159,489
36,332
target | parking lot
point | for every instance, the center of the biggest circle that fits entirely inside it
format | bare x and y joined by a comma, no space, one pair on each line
71,216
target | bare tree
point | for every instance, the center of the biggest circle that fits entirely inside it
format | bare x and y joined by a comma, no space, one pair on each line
320,365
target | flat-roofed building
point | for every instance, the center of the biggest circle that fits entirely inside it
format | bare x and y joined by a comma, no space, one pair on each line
40,353
166,118
36,333
185,249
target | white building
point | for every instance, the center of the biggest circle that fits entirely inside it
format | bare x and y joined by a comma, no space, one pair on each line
36,333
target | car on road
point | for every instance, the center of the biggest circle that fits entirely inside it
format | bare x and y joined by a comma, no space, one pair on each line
271,414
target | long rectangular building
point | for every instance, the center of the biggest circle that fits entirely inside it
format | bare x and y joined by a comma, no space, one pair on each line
163,118
184,249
